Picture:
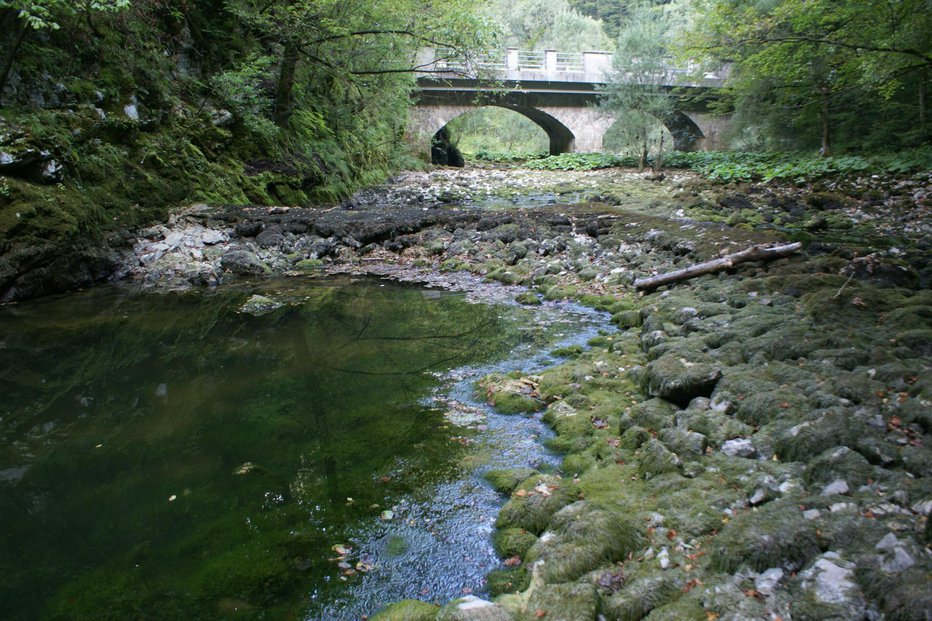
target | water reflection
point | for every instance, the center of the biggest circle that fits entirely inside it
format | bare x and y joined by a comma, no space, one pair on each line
166,455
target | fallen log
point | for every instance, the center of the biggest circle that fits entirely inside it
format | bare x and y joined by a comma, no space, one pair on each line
754,253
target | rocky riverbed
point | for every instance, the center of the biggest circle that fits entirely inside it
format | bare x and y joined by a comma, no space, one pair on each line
747,445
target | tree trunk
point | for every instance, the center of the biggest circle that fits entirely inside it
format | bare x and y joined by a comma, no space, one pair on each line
658,161
826,149
922,98
754,253
8,63
284,91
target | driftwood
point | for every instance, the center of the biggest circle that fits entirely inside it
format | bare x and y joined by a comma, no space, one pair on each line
754,253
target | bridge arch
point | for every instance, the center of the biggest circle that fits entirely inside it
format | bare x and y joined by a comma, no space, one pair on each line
561,139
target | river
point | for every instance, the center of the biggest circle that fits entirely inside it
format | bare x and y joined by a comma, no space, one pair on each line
168,456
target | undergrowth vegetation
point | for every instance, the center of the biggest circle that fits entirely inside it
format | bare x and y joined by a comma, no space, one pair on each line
727,166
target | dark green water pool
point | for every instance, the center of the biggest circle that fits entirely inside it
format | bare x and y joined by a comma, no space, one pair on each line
165,456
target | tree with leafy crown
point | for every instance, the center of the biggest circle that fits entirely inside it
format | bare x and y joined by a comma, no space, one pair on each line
638,94
815,59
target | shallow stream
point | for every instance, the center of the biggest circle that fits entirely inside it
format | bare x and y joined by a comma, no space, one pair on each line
166,456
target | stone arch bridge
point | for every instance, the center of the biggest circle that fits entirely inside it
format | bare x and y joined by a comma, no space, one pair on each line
559,92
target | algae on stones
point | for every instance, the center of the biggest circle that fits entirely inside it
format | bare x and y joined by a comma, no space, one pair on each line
582,537
407,610
534,502
775,535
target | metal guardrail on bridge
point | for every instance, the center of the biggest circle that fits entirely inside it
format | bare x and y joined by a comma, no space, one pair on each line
553,66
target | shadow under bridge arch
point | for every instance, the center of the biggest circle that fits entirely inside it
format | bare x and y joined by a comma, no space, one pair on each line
560,138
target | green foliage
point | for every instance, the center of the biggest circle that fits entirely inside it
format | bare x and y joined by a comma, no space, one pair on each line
548,24
727,166
485,155
47,14
742,166
498,134
638,95
578,161
832,73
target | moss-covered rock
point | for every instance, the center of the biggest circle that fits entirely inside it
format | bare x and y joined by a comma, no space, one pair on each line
534,502
679,380
580,538
715,426
839,463
654,459
505,481
652,414
775,535
644,594
510,580
825,429
528,298
684,443
407,610
512,541
563,602
509,395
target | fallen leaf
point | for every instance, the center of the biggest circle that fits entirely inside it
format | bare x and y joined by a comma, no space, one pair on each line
671,534
514,561
689,586
341,549
521,493
540,614
543,490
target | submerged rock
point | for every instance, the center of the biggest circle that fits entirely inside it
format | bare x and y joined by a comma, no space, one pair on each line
472,608
407,610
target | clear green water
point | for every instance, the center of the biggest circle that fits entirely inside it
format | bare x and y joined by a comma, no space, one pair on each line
164,456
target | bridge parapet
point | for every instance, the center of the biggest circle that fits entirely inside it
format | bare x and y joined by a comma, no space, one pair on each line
553,66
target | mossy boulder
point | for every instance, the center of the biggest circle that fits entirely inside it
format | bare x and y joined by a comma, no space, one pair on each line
825,429
652,414
654,459
685,443
580,538
534,502
715,426
506,480
511,542
511,580
760,408
839,463
627,319
509,395
564,602
644,594
680,380
774,535
634,437
904,595
528,298
407,610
